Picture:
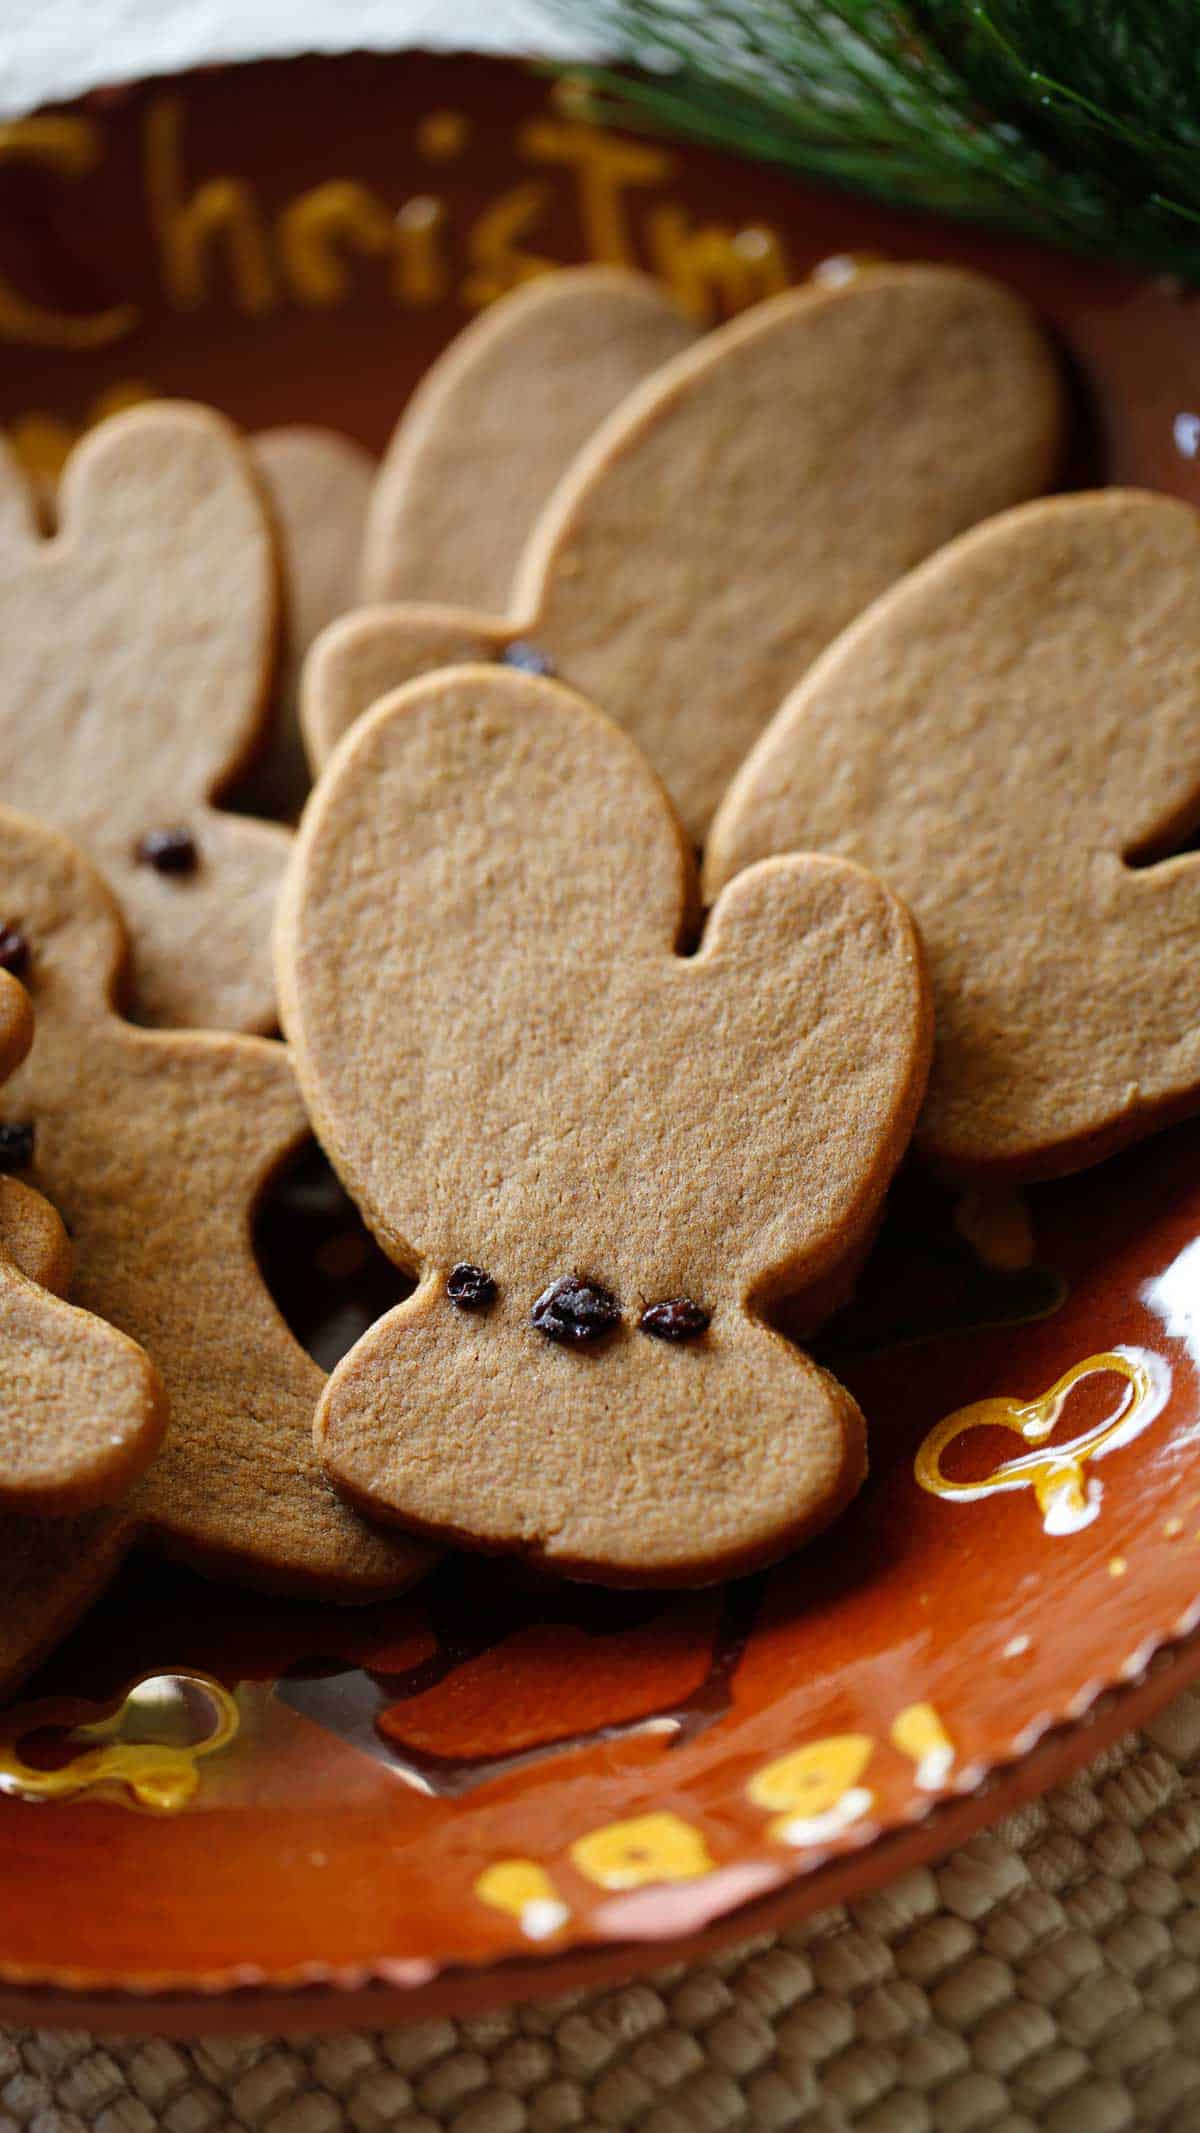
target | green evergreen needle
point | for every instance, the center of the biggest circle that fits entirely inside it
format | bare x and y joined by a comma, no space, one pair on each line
1077,121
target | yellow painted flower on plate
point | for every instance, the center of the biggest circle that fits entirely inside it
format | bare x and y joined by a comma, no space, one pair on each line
654,1847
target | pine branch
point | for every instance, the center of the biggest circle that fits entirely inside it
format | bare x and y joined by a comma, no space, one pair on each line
1077,121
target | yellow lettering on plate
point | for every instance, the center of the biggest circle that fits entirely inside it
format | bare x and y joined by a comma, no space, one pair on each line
605,166
498,262
420,276
320,226
713,272
70,148
188,225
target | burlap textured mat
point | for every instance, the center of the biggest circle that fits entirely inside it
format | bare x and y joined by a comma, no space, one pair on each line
1047,1975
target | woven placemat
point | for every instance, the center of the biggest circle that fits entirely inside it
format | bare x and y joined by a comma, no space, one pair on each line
1046,1975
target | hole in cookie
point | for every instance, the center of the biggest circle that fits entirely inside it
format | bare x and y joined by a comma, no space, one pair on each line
274,783
16,1145
14,950
527,658
921,1281
695,920
1171,843
1086,456
324,1269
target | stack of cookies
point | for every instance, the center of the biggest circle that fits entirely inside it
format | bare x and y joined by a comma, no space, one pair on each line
781,597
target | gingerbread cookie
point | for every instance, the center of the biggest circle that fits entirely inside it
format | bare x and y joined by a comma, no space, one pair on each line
496,421
135,658
82,1409
31,1233
318,484
16,1008
604,1156
33,1237
1010,737
155,1146
738,510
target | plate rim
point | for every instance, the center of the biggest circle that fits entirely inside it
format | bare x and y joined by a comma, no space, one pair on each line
372,1995
247,1998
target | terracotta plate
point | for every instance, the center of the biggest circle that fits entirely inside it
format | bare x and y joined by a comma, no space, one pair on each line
213,1810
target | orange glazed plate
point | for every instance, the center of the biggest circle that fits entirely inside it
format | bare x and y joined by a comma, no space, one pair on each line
217,1810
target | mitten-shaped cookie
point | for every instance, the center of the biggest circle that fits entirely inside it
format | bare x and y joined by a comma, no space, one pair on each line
318,484
603,1155
50,1568
1012,738
737,510
82,1409
495,422
135,655
155,1146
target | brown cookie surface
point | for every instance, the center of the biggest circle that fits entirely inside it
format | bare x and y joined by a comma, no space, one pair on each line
31,1232
496,421
82,1409
525,1082
318,484
1002,738
738,509
16,1023
155,1145
33,1237
136,648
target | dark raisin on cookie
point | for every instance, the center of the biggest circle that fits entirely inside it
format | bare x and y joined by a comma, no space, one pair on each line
470,1287
677,1318
171,850
16,1147
527,658
575,1311
14,950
